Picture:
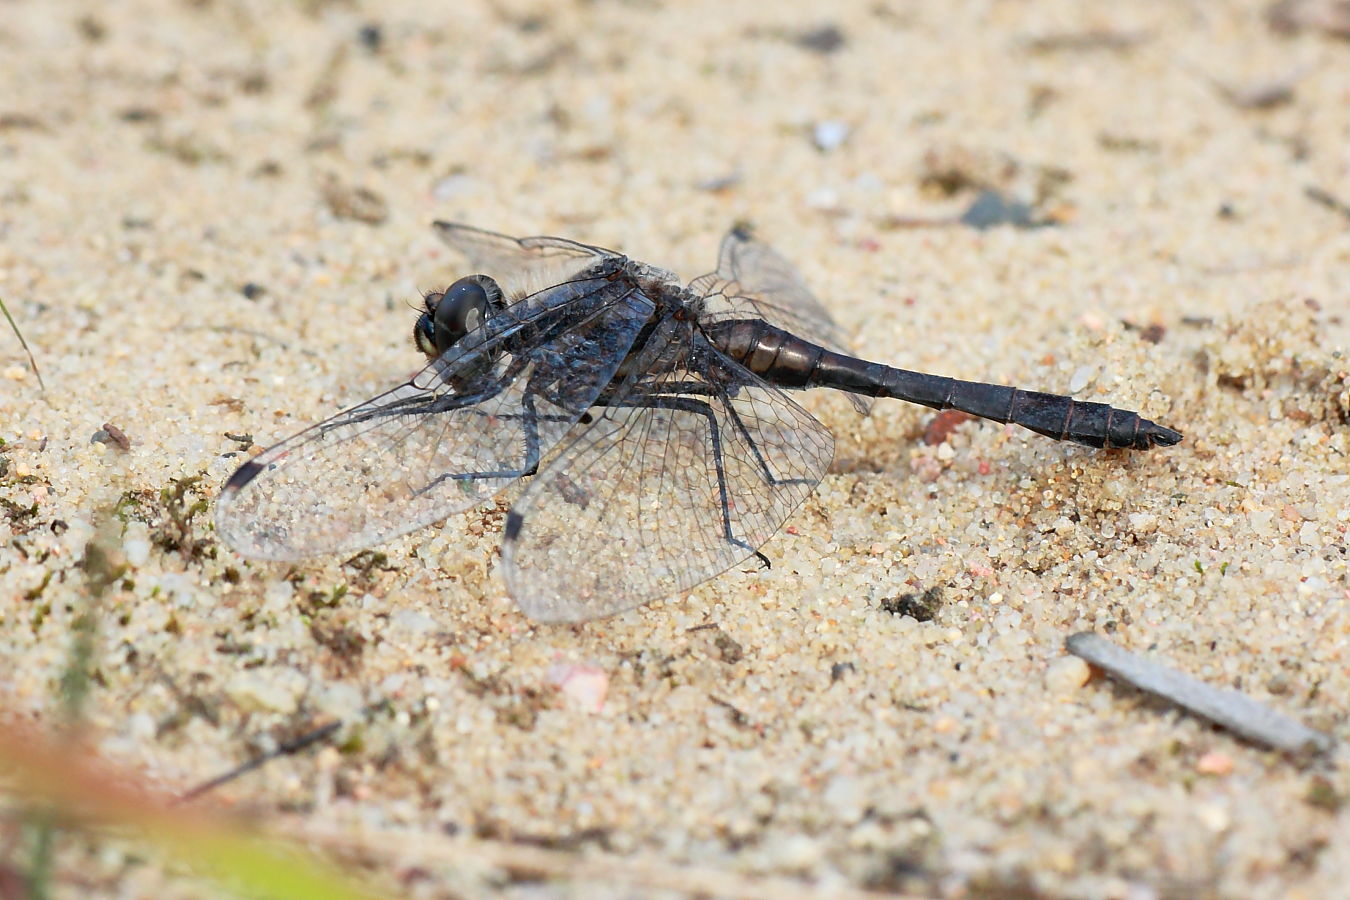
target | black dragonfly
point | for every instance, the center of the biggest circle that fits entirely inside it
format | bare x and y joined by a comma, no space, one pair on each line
652,416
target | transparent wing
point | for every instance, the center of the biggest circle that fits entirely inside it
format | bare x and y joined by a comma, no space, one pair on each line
468,425
685,476
522,266
753,279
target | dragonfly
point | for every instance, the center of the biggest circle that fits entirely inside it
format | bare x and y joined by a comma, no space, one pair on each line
647,422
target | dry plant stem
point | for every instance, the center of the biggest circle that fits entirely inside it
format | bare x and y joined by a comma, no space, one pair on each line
99,572
1235,711
23,343
1327,199
88,794
288,748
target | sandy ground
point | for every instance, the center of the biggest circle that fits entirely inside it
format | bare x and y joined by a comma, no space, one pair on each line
214,216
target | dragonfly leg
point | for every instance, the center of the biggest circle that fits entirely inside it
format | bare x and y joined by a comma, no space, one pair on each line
704,389
698,408
529,421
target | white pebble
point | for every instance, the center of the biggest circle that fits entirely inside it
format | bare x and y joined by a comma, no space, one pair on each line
412,621
452,186
845,795
830,134
140,726
1081,378
1066,675
338,699
795,853
136,543
822,198
273,690
1213,816
137,551
1143,523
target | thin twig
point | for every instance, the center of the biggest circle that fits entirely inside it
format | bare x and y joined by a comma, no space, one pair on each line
1231,709
1327,199
287,748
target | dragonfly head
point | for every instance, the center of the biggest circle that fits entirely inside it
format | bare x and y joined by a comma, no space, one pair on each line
454,312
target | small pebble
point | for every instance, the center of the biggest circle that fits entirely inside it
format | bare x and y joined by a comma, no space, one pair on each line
1214,763
412,621
1213,817
822,198
824,39
112,436
584,686
796,853
371,37
830,134
847,797
1066,675
117,436
991,209
276,690
452,186
137,551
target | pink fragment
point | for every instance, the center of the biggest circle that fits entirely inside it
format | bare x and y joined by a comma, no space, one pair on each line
583,685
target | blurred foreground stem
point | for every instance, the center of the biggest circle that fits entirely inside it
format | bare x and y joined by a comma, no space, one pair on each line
99,572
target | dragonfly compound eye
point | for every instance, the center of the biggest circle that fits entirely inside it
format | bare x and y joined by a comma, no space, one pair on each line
462,309
424,330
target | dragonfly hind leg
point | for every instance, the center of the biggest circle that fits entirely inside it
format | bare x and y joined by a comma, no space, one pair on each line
700,388
704,409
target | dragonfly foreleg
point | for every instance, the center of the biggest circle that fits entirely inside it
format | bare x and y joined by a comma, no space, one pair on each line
529,422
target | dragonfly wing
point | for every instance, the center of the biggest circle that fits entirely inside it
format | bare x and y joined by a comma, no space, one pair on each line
468,425
679,477
752,279
521,266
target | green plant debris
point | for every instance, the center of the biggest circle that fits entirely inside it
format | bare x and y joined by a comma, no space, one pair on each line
80,794
34,593
101,571
40,614
188,150
1322,794
329,600
171,515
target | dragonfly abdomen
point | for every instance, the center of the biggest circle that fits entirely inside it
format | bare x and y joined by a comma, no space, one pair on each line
1053,415
783,359
777,356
